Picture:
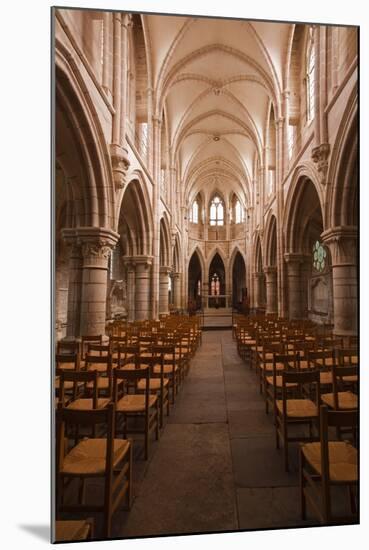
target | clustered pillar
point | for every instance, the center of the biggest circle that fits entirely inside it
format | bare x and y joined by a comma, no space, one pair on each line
74,288
177,290
89,255
142,287
297,285
271,289
258,289
342,242
164,289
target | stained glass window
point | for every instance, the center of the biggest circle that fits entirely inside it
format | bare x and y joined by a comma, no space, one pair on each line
238,212
215,285
195,212
319,257
216,211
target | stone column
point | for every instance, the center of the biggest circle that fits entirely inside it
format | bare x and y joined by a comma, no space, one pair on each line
75,283
142,287
118,153
294,285
96,244
271,289
342,242
205,290
131,276
258,292
177,290
164,289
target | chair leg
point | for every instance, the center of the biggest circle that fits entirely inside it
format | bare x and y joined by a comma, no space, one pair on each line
147,434
130,488
157,420
302,486
285,446
352,499
81,492
161,408
276,420
326,502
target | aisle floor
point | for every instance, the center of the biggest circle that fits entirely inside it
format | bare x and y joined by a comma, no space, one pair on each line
215,467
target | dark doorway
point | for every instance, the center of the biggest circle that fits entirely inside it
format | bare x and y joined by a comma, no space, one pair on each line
194,283
239,292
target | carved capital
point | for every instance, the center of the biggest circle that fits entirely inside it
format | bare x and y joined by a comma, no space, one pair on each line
120,165
141,261
97,251
320,156
165,270
294,258
270,270
342,242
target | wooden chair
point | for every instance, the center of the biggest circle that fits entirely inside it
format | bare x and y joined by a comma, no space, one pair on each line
86,390
339,398
323,361
159,385
327,463
103,364
273,379
107,458
85,340
142,405
64,362
170,367
265,361
296,410
66,347
70,361
73,530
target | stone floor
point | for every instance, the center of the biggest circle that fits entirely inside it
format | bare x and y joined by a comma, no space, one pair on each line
215,467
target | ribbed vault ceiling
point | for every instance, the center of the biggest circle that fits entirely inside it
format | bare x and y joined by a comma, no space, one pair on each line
215,80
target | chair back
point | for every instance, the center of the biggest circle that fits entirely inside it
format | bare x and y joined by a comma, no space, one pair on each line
67,361
78,377
131,377
67,417
65,347
308,383
337,419
338,374
85,340
98,349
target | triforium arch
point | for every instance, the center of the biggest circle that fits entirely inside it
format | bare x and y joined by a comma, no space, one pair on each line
309,282
84,203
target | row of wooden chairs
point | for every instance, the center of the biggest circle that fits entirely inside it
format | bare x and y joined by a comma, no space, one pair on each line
107,390
308,378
